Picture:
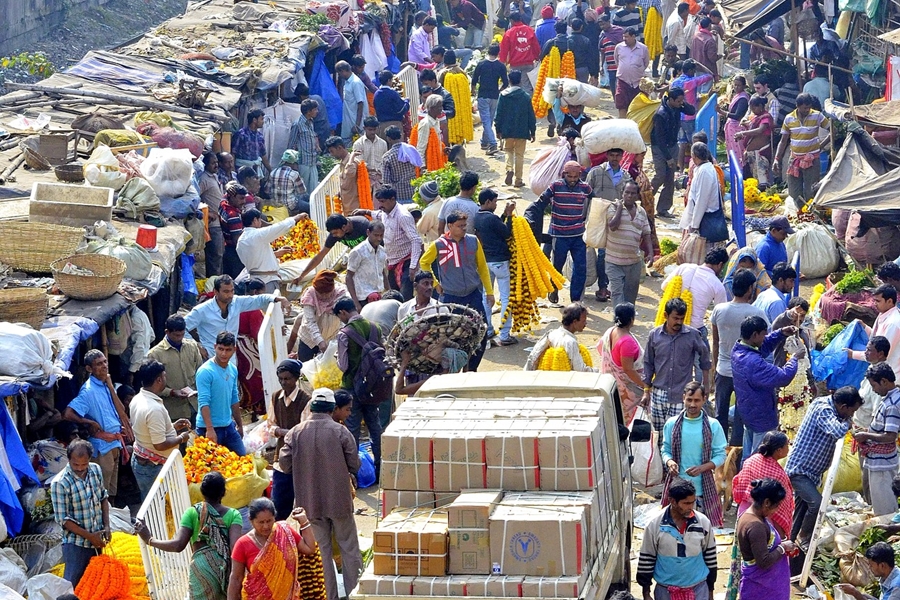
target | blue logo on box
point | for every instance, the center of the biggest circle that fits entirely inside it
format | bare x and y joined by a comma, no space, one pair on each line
525,546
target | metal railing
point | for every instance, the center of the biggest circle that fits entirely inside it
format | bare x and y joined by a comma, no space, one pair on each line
167,572
410,78
320,206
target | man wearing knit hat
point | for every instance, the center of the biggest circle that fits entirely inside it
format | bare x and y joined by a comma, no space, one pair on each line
545,30
568,199
429,224
322,455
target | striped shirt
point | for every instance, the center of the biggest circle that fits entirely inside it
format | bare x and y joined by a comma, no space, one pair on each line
608,41
568,207
887,418
813,446
804,132
623,245
232,225
401,238
629,18
304,139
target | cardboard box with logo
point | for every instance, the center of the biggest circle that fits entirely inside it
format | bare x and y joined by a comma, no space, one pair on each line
411,542
589,500
539,541
469,528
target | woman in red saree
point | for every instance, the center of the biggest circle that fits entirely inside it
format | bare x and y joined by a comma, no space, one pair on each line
275,562
756,136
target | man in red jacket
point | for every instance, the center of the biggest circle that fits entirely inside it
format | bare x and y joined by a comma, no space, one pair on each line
519,47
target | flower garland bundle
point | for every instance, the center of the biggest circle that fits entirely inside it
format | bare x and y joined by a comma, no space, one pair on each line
364,187
435,158
556,359
106,578
334,205
127,549
816,296
460,128
567,71
674,289
414,135
550,68
205,456
653,32
302,239
532,276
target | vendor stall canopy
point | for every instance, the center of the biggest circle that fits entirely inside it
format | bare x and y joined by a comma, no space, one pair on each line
748,15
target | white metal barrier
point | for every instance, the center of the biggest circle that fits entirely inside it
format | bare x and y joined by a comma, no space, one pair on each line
410,78
272,350
320,206
167,572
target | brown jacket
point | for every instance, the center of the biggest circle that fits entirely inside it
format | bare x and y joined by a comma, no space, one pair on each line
321,454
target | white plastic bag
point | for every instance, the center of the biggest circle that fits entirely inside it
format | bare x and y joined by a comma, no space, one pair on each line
25,353
8,593
597,225
547,166
102,169
819,255
600,136
257,436
47,587
168,171
12,573
573,93
647,468
323,371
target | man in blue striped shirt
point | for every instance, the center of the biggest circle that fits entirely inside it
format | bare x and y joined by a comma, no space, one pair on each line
569,199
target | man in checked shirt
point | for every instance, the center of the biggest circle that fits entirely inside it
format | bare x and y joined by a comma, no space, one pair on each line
401,240
398,171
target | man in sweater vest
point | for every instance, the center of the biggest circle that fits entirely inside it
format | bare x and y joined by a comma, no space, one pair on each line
457,260
349,355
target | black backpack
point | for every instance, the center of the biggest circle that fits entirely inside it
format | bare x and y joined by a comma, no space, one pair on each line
374,377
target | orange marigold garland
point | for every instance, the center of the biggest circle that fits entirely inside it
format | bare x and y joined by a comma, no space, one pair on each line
567,71
205,456
302,239
414,135
434,152
106,578
364,186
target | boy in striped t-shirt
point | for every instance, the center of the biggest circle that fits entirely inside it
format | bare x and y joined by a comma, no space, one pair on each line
801,131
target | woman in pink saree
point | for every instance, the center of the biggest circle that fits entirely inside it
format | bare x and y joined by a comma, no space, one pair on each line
622,357
737,108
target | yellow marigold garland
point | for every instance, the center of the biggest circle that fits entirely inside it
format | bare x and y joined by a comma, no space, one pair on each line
205,456
556,359
127,549
675,289
532,276
550,68
460,128
302,239
653,32
364,186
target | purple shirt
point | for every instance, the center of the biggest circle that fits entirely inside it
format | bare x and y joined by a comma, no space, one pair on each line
631,62
248,145
420,47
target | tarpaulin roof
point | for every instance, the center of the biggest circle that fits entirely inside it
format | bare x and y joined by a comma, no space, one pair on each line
892,37
739,12
756,14
882,113
865,177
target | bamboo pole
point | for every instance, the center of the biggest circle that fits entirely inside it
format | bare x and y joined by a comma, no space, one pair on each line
8,171
793,55
119,99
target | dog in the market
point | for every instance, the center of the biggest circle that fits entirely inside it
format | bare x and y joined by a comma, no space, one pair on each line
457,156
725,475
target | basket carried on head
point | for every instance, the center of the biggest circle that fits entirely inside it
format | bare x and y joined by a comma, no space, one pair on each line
108,272
31,247
427,332
24,305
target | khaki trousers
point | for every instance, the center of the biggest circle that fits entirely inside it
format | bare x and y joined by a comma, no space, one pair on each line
515,156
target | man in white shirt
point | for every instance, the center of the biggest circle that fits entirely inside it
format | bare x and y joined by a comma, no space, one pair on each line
154,433
372,149
354,101
574,320
704,284
887,324
680,29
367,277
254,247
423,289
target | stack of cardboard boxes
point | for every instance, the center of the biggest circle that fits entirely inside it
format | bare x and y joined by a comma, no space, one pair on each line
500,497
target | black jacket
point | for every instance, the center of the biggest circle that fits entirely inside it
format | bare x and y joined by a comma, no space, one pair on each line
581,48
515,115
666,125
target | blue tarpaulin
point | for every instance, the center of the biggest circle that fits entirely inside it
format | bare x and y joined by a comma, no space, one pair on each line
321,84
737,200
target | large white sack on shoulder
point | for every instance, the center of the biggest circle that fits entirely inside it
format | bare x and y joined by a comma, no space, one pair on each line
573,93
819,255
547,167
600,136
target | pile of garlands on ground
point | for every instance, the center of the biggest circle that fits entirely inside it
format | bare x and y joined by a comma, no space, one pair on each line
302,239
532,276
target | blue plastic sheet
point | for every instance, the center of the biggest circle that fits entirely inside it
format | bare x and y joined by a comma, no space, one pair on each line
832,364
321,84
187,274
365,477
738,225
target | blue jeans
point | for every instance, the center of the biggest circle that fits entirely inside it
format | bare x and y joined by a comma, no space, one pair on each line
229,437
369,413
752,440
500,271
487,108
602,279
76,559
807,500
574,245
145,474
282,494
310,176
475,302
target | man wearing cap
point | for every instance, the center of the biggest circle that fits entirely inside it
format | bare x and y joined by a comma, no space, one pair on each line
545,29
322,455
254,247
568,199
429,224
285,188
771,249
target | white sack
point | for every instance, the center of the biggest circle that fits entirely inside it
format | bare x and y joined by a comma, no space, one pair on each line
600,136
168,171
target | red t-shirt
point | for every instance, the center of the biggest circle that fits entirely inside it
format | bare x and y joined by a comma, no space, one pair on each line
245,550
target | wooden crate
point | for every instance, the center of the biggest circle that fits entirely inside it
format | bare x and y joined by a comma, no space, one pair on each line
70,205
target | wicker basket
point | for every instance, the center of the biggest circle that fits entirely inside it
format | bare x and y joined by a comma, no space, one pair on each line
31,247
24,305
108,272
71,173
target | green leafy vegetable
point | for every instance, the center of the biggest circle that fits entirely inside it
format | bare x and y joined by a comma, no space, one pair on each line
324,166
447,178
870,537
309,23
855,281
667,246
831,333
827,569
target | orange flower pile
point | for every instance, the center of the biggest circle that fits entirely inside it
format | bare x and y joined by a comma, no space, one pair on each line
364,186
567,71
205,456
302,239
127,549
550,68
434,152
106,578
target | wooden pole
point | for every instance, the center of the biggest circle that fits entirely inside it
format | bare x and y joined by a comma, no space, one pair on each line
8,171
793,55
120,99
